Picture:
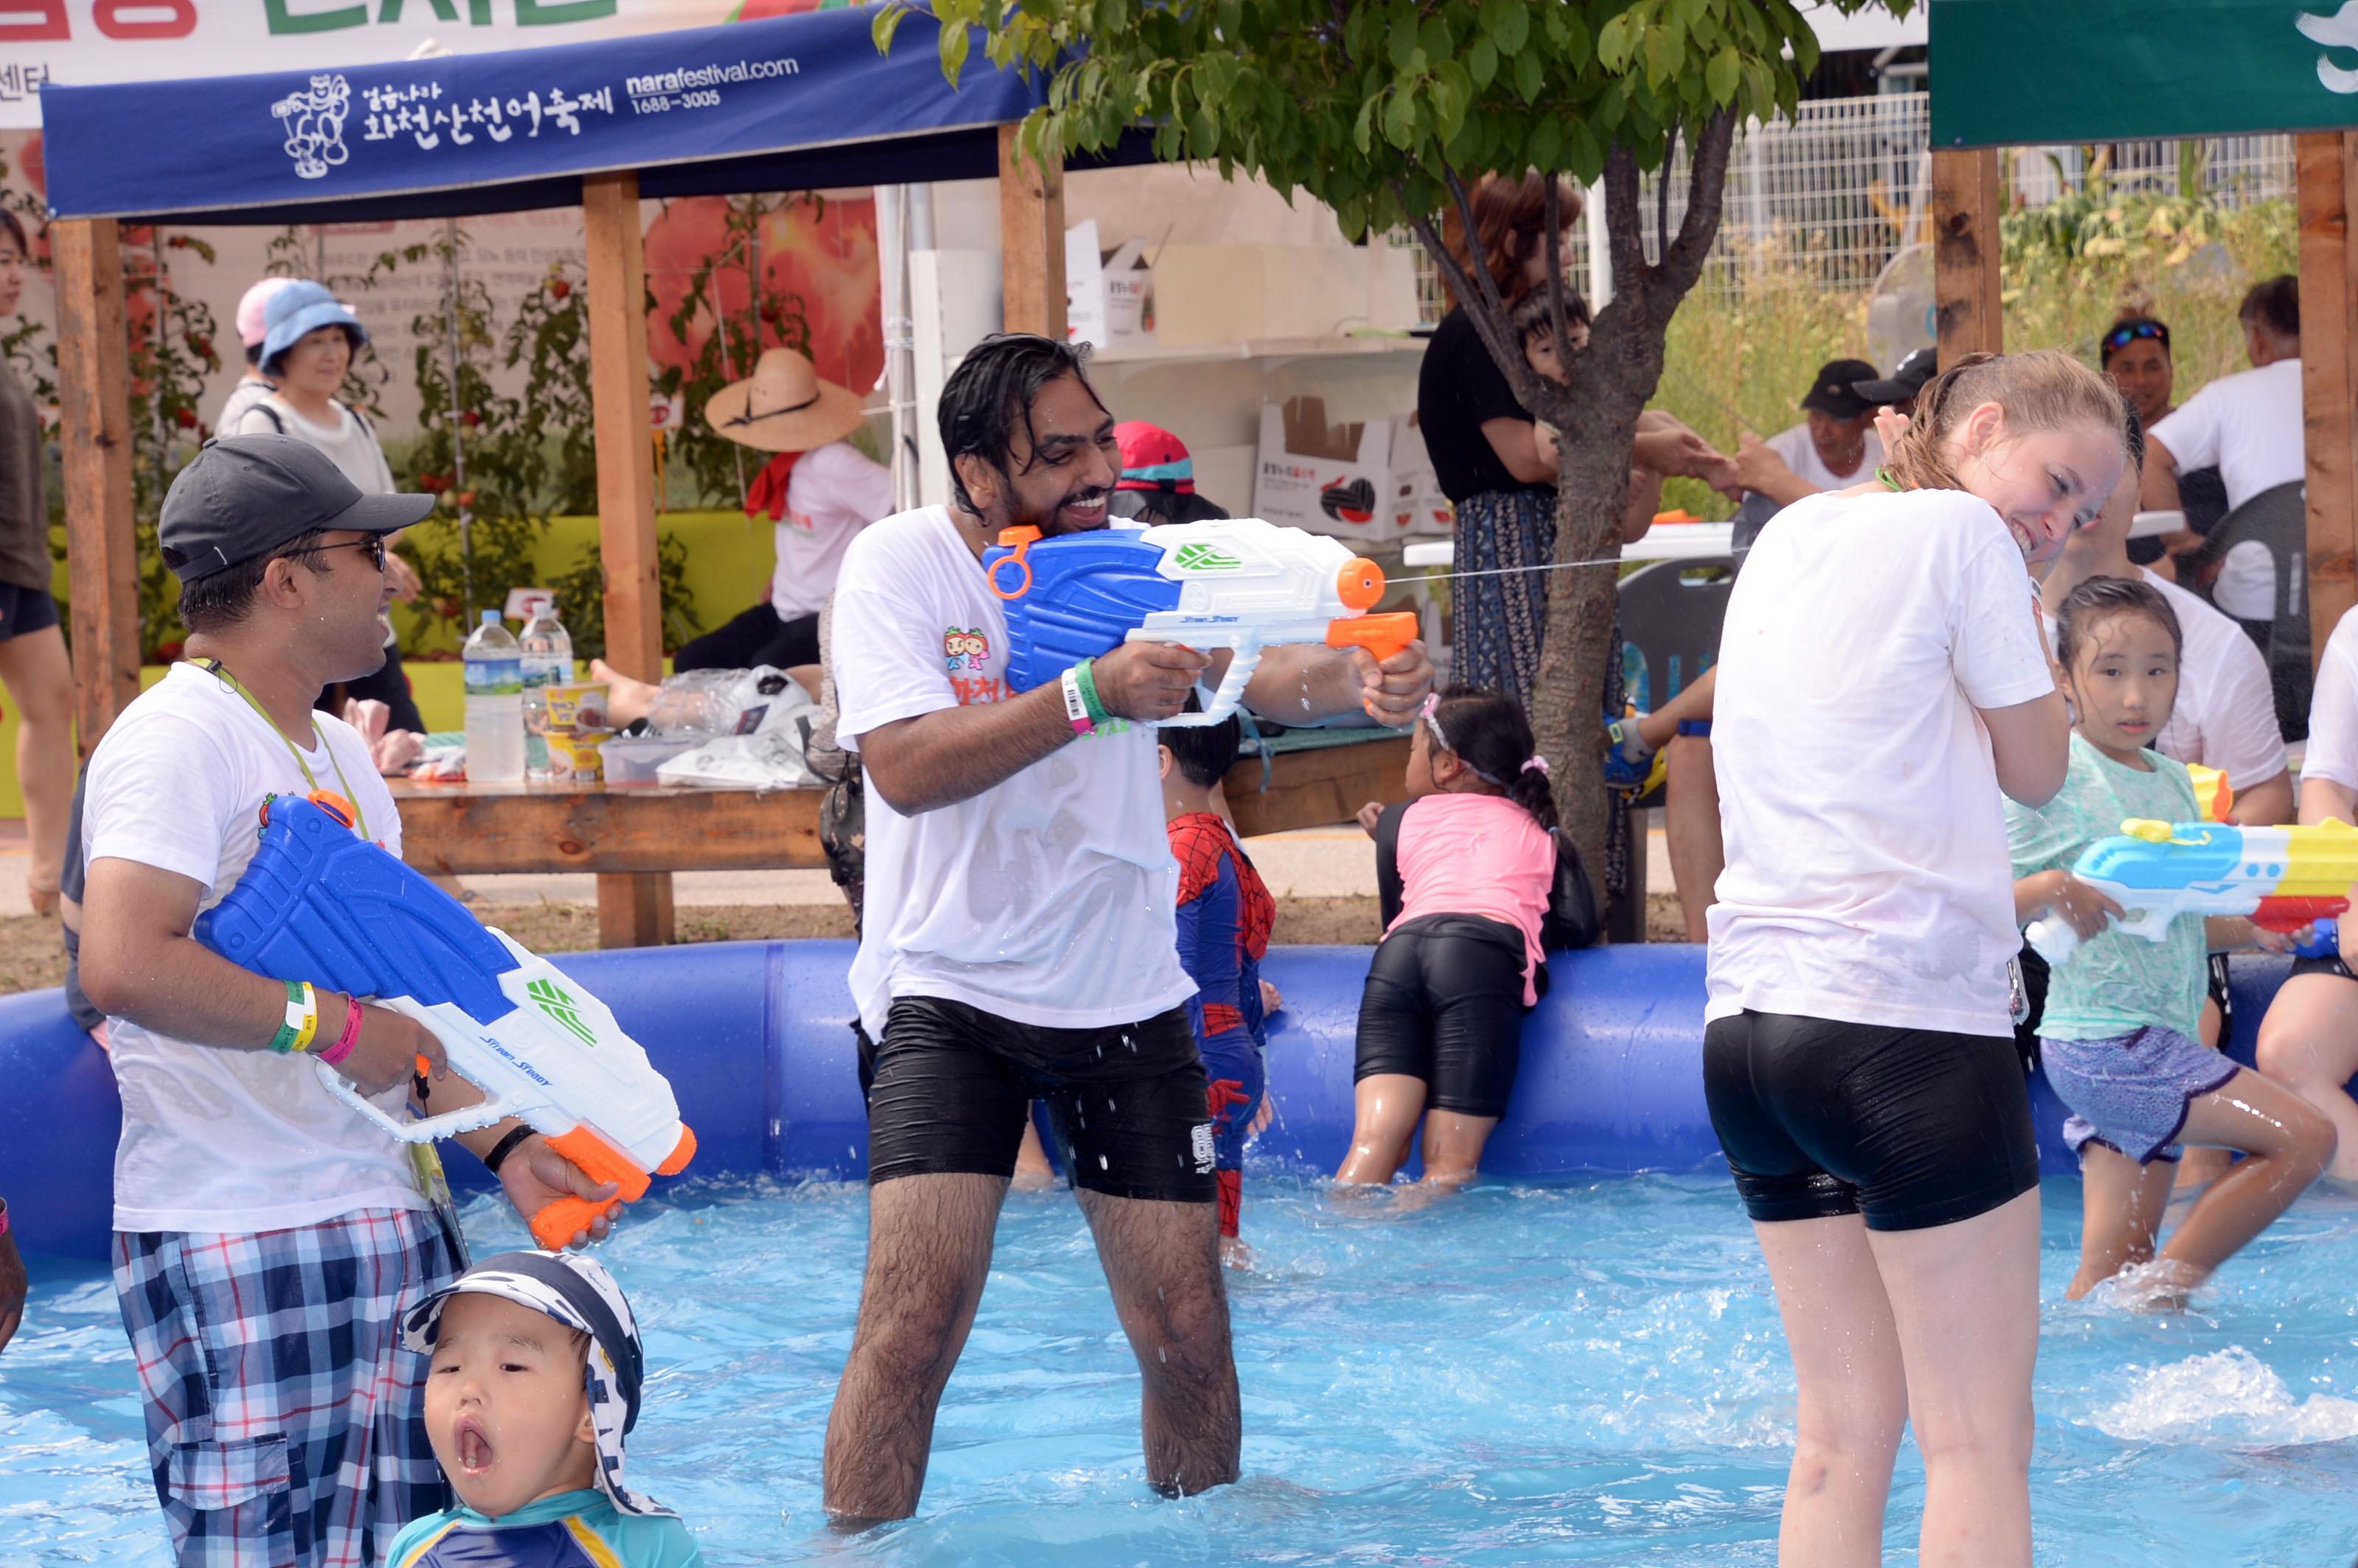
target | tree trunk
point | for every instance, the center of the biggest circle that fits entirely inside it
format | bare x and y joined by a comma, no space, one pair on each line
1611,384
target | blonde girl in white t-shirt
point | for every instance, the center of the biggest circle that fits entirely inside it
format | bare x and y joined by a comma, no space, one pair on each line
1884,683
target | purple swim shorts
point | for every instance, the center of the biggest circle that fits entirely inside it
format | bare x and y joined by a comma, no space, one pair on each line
2130,1092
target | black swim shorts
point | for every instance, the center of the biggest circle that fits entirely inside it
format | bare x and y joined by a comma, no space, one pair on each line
1444,1002
2323,963
948,1085
25,610
1910,1128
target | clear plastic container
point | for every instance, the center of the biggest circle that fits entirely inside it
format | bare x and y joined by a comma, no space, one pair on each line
494,680
633,759
547,649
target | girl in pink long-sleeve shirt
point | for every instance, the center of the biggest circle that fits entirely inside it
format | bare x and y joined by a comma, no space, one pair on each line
1467,870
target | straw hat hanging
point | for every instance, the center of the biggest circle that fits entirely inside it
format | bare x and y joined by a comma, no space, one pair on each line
783,406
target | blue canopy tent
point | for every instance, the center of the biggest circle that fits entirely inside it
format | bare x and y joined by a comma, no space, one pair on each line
789,102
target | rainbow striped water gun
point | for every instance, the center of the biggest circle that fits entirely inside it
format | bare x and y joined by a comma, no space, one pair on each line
1237,583
2283,878
318,903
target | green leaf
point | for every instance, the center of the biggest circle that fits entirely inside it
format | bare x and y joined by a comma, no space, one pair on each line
887,23
1582,156
1665,50
1354,33
955,43
1400,117
1514,29
1724,72
1434,38
1402,36
1687,13
1616,42
1482,61
1547,137
1529,75
1575,45
1206,129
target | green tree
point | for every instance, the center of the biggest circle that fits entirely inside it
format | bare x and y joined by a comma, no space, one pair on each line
1389,111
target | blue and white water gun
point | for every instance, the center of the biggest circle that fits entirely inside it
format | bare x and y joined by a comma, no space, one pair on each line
1234,582
318,903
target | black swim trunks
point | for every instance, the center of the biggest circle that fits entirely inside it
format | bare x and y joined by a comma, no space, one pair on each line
1910,1128
948,1084
1444,1002
25,610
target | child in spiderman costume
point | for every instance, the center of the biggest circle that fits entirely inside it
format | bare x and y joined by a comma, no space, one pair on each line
1225,912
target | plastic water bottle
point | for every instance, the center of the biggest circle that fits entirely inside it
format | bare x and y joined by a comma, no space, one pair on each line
494,704
547,661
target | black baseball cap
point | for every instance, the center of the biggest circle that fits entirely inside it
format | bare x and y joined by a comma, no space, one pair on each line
1833,394
1903,384
243,496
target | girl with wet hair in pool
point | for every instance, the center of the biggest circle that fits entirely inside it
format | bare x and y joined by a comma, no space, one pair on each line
1884,683
1467,869
2119,1036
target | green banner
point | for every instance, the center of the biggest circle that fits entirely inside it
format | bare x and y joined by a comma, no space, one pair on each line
2015,72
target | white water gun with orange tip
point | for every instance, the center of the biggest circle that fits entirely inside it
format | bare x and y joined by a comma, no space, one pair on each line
318,903
2282,878
1237,583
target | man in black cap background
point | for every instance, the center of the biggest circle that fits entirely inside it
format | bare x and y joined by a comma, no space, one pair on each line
1833,448
1897,391
267,1238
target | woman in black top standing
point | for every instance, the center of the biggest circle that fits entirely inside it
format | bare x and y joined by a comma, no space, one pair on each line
1486,452
33,663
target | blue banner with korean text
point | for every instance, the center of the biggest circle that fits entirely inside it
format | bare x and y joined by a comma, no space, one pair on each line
461,121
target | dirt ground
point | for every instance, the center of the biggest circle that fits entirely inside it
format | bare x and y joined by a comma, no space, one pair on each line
30,957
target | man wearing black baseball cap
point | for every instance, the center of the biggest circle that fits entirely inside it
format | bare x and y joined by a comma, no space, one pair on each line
248,1198
1898,389
1834,448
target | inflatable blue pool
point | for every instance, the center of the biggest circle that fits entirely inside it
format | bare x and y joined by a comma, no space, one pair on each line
756,1038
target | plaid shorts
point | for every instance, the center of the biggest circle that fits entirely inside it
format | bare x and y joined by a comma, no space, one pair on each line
285,1424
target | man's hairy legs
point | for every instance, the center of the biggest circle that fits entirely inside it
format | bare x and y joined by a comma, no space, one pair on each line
928,1254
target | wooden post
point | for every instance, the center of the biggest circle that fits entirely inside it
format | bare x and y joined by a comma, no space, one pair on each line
1031,239
2326,165
94,423
633,908
1966,206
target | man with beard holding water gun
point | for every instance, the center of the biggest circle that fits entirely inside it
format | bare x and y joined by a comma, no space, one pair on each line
1020,943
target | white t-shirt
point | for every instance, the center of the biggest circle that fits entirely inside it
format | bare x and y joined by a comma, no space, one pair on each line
835,491
2249,424
1866,877
217,1140
250,390
350,444
1800,455
1047,899
2332,751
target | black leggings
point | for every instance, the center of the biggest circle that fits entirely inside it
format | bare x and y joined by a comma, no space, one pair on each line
1444,1002
756,637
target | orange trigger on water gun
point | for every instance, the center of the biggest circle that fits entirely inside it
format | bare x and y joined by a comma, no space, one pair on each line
1019,539
1382,635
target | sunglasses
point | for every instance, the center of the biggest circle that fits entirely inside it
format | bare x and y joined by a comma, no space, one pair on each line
372,544
2121,336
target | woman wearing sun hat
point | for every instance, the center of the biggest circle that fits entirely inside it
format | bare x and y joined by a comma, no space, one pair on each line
817,488
309,340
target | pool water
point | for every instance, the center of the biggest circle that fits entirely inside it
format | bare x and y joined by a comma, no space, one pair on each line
1576,1373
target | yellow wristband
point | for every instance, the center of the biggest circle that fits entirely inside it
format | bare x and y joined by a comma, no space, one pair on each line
309,1026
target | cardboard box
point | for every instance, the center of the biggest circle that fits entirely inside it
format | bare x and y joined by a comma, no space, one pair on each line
1329,479
1108,295
1419,509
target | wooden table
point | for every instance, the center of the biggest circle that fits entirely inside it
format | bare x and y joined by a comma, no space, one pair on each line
633,836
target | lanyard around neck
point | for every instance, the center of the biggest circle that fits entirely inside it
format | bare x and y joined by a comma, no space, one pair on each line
216,669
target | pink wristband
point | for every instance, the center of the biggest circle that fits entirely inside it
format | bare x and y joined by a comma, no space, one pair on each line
4,1219
349,1038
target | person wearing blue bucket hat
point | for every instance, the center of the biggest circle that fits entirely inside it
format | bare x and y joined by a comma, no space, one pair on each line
309,340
